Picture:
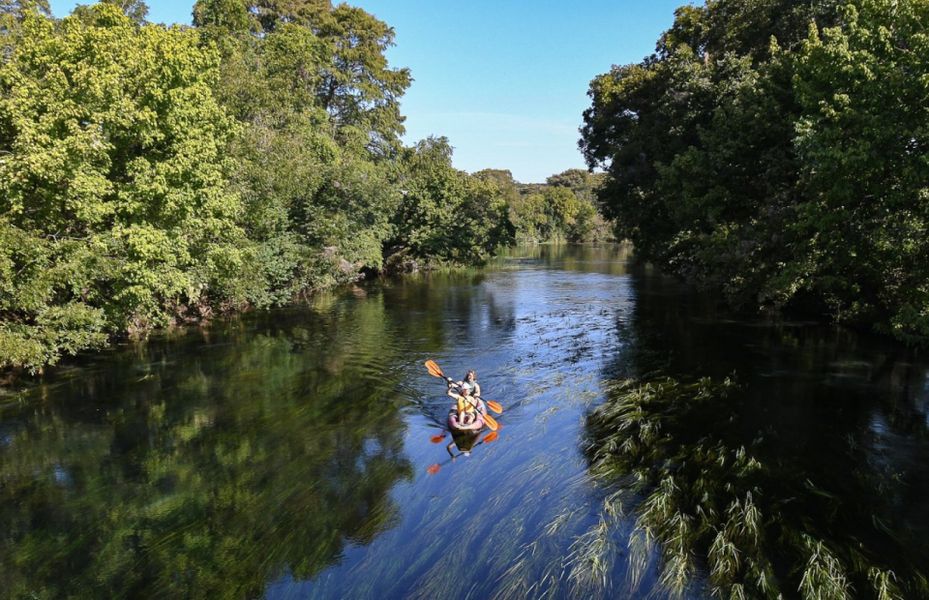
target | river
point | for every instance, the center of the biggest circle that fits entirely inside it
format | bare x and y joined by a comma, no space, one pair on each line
300,453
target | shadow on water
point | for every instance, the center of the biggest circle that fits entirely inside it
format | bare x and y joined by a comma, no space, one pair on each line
288,454
802,475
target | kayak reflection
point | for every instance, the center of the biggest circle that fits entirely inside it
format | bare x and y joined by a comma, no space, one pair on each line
464,442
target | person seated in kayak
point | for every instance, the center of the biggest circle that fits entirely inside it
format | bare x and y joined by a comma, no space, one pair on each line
467,405
470,379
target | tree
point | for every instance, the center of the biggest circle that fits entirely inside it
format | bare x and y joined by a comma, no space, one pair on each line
863,142
114,159
157,175
357,88
136,10
224,16
445,213
18,8
756,152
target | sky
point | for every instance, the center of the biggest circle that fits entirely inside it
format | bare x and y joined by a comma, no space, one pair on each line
504,80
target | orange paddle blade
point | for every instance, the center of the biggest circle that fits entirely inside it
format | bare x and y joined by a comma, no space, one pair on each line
434,369
433,469
491,423
437,438
490,437
494,406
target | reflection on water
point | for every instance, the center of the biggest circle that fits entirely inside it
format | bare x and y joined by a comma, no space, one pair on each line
203,467
286,454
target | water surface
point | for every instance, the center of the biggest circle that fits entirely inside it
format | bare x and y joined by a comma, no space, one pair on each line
287,454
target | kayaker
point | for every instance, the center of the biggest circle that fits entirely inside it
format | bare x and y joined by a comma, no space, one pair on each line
467,405
471,379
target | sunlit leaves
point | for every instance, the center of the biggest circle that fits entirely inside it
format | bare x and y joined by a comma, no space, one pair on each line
113,160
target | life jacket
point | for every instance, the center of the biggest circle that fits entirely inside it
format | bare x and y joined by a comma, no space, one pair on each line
466,404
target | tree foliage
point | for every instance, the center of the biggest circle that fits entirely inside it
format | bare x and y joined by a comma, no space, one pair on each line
155,175
565,208
111,180
777,151
444,212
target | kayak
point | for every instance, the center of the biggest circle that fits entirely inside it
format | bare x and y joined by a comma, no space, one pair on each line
475,426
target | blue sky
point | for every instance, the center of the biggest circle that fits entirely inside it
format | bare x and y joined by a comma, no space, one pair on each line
505,81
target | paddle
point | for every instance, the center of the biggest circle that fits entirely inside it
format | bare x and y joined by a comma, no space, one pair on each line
436,371
492,405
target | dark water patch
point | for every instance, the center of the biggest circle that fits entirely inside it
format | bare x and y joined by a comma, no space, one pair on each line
757,521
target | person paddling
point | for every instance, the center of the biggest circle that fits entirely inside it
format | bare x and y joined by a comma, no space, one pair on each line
470,380
467,405
486,420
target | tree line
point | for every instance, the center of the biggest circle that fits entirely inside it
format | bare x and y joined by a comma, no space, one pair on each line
154,175
563,209
779,151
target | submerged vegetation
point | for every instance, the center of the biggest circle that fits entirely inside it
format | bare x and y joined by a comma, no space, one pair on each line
779,151
154,175
734,511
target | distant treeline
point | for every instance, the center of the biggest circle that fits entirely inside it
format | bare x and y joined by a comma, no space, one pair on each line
563,209
153,175
779,151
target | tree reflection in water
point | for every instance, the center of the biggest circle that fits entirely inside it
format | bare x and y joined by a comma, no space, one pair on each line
207,475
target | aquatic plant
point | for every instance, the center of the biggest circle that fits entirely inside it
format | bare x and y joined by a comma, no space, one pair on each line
674,456
590,560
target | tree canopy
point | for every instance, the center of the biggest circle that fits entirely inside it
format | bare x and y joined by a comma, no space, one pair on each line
777,151
154,175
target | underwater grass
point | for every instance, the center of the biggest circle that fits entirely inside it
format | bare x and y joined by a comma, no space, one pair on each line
669,453
590,560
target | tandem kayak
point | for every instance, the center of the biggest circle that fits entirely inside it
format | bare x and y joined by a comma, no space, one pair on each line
474,427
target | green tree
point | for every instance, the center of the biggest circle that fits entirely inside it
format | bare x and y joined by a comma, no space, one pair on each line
781,166
136,10
445,213
155,175
18,8
224,16
359,90
588,224
863,142
357,87
530,219
561,207
113,157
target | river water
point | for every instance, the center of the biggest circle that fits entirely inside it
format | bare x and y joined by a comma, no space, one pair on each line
300,453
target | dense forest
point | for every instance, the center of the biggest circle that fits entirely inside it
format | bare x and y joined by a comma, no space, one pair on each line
154,175
779,151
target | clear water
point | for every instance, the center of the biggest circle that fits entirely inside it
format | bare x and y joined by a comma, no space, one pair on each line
288,454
